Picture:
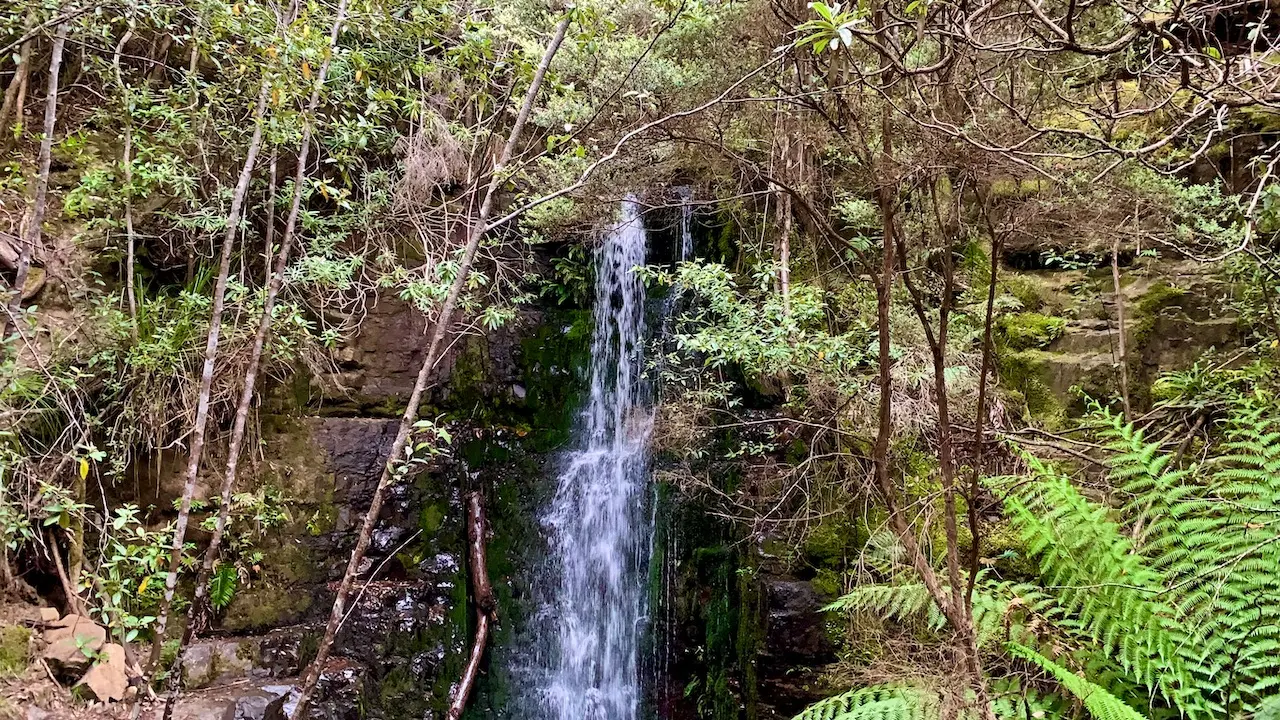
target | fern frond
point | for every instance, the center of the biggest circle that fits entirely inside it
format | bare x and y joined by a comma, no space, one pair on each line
878,702
1101,704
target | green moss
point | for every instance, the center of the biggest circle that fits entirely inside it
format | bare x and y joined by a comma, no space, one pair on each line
1265,119
281,595
1002,545
1022,373
324,519
15,641
751,611
553,364
1029,330
432,517
1026,187
1026,290
828,582
1147,310
829,544
726,242
266,606
717,567
797,451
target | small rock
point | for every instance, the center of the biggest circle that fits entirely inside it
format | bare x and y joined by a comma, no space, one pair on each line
71,642
107,680
258,705
34,283
48,614
35,713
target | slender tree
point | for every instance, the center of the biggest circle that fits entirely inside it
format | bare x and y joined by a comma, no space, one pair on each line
197,437
40,198
443,327
274,284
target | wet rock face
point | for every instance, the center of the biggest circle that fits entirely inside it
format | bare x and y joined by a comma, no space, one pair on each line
405,640
378,367
794,628
355,450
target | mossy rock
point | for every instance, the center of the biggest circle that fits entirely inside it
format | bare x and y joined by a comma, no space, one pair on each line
1026,290
265,606
1029,330
1026,375
282,594
15,644
829,544
1154,301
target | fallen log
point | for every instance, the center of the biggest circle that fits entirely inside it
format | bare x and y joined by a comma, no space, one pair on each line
486,606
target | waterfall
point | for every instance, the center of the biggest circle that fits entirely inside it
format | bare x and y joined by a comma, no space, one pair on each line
599,526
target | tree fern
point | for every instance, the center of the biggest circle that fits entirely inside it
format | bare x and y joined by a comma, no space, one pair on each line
1107,592
878,702
1001,610
1211,532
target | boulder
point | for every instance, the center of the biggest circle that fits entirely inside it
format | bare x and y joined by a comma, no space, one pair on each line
71,644
107,680
49,615
262,704
215,661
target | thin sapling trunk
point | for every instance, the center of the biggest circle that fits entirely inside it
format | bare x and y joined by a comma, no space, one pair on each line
197,438
40,198
1122,350
443,326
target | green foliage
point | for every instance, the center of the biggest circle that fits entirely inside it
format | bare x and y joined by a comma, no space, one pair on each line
832,29
878,702
1101,704
751,328
129,580
222,586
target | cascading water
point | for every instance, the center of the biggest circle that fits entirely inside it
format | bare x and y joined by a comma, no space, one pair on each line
600,529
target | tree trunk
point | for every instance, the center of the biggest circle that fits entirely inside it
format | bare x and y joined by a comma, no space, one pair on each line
486,606
1120,327
127,163
980,417
18,81
206,377
269,234
40,198
784,214
443,326
275,282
